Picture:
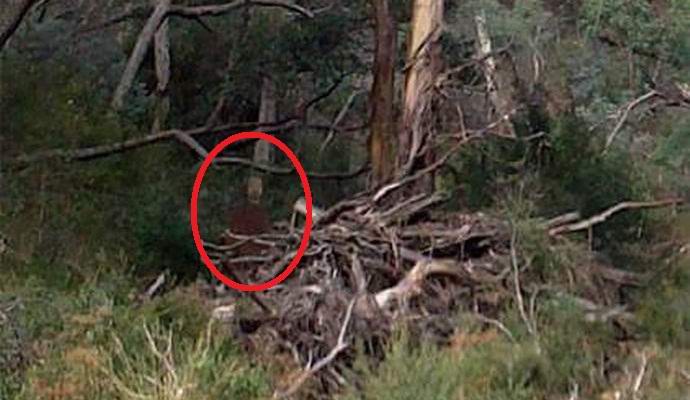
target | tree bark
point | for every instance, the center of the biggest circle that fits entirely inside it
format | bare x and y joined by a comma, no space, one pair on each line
140,48
382,118
262,149
499,87
14,21
423,65
162,54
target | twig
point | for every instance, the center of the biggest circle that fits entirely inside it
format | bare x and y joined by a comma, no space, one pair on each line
624,116
640,376
599,218
445,76
339,347
518,289
498,324
338,119
410,178
268,310
155,286
194,12
185,138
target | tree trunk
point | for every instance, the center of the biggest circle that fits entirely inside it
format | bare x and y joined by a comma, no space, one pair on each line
162,52
500,85
382,119
423,65
262,149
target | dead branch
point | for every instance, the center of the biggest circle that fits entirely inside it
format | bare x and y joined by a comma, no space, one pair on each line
518,288
601,217
185,137
418,270
637,385
624,115
311,370
139,52
154,287
411,178
15,20
341,114
221,9
195,12
562,219
412,283
160,12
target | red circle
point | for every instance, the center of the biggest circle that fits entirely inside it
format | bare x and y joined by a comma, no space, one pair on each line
195,197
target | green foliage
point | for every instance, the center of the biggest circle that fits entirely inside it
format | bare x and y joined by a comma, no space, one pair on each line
162,233
634,24
491,367
92,342
208,367
668,382
672,153
518,23
581,176
52,106
664,307
411,373
573,346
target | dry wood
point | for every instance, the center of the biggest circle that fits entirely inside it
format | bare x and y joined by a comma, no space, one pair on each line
139,52
603,216
161,41
311,370
338,119
15,20
185,137
371,262
221,9
624,115
498,92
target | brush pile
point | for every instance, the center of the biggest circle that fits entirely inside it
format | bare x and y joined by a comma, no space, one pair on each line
378,259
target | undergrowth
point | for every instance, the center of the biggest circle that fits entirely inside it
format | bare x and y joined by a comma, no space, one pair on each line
88,340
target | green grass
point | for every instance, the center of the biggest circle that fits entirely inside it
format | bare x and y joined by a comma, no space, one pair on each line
86,339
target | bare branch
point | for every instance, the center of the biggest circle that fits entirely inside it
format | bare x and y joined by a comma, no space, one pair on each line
601,217
338,119
637,385
15,21
139,52
337,349
220,9
195,12
412,282
624,116
518,288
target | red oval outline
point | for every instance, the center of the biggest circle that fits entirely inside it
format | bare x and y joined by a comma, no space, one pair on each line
195,198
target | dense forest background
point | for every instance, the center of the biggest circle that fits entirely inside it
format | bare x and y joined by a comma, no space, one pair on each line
518,111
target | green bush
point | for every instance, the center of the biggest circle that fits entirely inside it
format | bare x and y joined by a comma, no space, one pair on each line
489,366
664,307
